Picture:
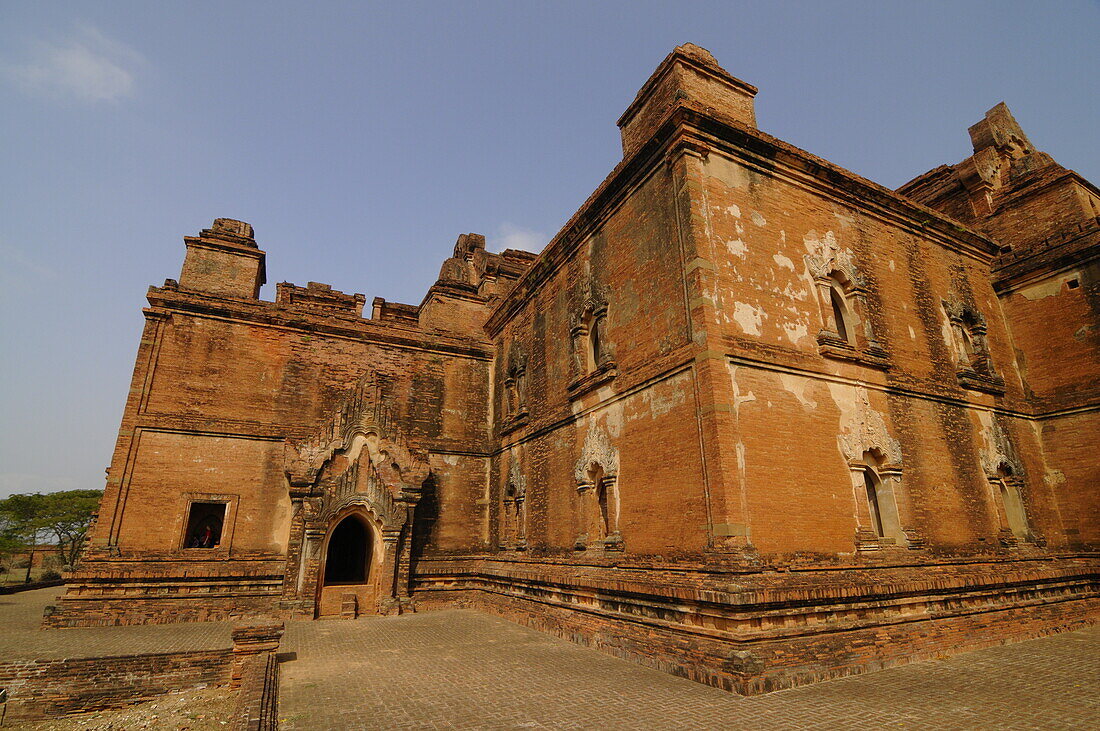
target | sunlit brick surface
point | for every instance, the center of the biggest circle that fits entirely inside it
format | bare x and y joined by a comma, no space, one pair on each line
463,669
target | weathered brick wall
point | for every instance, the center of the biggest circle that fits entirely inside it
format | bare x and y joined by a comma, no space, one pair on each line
630,261
759,231
1053,326
48,688
768,631
220,397
257,706
1047,220
1073,472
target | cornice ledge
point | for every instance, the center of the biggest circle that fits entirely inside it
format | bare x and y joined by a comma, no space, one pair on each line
734,136
262,312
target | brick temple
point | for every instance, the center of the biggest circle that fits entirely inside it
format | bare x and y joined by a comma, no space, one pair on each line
748,417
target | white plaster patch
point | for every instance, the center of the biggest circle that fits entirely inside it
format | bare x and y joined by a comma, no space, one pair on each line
861,426
666,396
949,338
1054,478
891,265
794,331
738,399
612,416
783,261
818,245
727,171
758,219
845,219
450,459
1049,287
737,247
748,317
797,385
799,294
734,210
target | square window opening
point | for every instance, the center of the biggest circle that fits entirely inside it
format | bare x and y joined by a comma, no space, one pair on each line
204,525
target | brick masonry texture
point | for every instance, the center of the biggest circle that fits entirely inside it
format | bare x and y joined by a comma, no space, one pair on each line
464,670
748,417
47,688
53,673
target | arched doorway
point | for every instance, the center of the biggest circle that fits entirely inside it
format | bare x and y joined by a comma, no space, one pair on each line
348,558
348,569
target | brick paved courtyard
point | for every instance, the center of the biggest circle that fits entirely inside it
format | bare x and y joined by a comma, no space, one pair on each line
21,638
463,669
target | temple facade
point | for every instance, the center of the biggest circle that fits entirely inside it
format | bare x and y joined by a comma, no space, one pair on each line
748,418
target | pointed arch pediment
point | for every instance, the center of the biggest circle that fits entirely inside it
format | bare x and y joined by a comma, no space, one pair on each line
866,431
597,452
358,453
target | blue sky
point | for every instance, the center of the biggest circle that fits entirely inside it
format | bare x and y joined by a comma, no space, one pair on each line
361,138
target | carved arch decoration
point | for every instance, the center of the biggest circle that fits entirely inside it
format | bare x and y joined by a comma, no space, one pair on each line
998,455
835,274
974,365
593,360
1007,483
867,432
358,460
597,477
514,503
515,388
875,464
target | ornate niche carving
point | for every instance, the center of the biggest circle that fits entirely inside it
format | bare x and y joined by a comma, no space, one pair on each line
515,389
842,293
593,355
597,477
359,462
973,365
514,505
883,511
1007,488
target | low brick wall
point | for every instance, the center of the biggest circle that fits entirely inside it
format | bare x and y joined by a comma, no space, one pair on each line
49,688
257,706
30,586
96,612
776,630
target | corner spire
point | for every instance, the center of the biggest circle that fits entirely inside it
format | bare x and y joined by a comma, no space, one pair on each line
688,77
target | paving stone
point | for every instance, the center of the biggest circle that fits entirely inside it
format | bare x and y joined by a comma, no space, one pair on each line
460,669
22,639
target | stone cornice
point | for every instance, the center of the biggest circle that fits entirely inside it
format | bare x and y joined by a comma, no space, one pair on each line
703,131
666,67
270,314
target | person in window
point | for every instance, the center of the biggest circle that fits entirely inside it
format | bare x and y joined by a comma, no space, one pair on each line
204,537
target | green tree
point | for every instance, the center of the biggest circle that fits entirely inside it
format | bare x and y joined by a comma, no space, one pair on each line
20,526
61,517
66,516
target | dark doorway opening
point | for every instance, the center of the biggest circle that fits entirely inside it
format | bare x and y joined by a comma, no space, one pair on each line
348,553
204,525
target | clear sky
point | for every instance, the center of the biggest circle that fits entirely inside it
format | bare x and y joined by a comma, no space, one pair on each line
361,138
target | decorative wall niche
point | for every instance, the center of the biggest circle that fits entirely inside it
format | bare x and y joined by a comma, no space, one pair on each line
593,355
973,365
515,389
847,333
884,515
598,507
513,530
1007,488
